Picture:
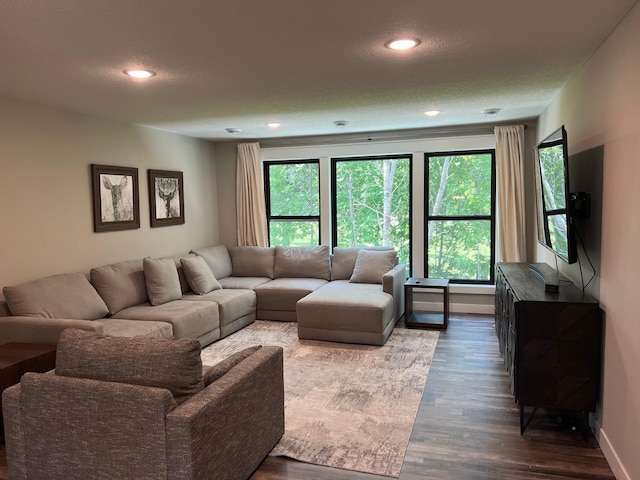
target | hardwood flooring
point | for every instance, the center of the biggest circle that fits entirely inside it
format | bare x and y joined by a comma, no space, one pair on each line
467,427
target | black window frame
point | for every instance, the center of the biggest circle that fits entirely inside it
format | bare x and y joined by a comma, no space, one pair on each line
334,201
290,218
491,217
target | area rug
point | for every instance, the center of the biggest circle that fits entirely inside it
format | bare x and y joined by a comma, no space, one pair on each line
346,406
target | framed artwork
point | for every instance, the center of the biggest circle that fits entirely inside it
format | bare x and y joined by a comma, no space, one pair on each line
115,198
166,198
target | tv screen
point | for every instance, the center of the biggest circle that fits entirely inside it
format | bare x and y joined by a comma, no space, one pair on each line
555,220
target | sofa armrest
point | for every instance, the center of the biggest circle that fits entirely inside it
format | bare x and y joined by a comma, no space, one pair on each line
227,429
40,329
393,283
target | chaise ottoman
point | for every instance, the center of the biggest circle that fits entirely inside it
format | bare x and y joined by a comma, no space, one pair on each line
346,312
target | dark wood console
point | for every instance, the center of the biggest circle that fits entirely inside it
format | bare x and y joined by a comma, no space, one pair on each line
551,342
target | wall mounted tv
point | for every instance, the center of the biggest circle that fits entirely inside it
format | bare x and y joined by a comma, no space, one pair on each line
553,199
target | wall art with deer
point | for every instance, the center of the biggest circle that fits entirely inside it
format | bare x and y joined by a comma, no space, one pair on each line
115,198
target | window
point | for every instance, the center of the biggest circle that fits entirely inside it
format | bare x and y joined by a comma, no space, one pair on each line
460,216
371,202
292,191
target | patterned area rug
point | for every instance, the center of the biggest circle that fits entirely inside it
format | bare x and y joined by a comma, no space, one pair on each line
346,406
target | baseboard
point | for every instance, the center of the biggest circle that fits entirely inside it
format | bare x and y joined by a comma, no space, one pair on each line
455,307
612,457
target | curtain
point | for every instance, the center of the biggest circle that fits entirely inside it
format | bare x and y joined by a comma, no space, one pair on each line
250,205
512,240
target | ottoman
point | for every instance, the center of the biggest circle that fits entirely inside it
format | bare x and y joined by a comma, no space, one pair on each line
346,312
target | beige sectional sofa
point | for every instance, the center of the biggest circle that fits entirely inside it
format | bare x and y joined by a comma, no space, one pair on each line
355,296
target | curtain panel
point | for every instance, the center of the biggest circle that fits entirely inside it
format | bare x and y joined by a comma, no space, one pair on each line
250,205
512,241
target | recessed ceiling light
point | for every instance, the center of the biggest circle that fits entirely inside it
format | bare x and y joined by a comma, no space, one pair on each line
432,113
490,112
233,130
340,123
402,43
273,124
139,73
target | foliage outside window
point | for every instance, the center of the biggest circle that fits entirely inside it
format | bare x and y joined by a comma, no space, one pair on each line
293,202
552,176
371,203
460,216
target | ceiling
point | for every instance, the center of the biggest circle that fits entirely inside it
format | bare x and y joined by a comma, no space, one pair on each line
304,63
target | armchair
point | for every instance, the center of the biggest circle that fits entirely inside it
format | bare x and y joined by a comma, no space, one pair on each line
140,408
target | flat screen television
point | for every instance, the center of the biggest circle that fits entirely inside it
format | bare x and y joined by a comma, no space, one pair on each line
554,206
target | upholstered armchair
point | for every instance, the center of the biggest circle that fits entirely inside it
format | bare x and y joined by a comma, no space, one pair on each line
141,408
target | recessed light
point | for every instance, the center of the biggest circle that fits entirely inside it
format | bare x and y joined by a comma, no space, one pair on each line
233,130
139,73
340,123
273,124
432,113
402,43
490,112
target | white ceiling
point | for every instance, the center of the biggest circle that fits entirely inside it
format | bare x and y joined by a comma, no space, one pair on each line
304,63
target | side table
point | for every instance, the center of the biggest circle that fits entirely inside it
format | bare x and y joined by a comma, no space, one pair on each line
420,319
16,359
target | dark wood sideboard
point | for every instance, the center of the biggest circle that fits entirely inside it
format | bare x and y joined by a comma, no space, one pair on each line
551,342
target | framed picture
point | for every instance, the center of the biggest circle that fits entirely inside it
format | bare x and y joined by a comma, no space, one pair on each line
115,198
166,198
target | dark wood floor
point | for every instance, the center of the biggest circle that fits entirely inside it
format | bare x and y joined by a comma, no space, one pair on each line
467,426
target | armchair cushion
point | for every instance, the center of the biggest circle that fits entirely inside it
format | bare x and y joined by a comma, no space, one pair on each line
68,295
163,282
371,265
155,362
214,372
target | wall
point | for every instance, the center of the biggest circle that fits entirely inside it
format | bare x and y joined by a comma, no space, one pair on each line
45,193
601,106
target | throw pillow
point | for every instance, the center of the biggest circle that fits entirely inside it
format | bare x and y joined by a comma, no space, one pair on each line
69,295
163,283
214,372
199,275
371,265
154,362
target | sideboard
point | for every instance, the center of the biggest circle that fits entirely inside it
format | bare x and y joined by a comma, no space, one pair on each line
551,342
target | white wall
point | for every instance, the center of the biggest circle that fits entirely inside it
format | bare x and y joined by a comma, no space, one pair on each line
46,217
601,106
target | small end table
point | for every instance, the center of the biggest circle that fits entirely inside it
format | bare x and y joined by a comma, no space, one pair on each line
419,319
16,359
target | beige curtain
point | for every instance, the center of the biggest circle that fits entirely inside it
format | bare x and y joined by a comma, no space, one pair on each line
512,240
251,211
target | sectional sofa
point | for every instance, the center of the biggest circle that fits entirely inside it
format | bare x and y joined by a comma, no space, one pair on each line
354,295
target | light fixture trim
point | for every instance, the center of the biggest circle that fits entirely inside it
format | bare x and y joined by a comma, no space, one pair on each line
274,124
490,112
432,113
233,130
341,123
139,73
402,44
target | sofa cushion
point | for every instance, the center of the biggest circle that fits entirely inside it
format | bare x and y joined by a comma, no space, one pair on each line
184,284
199,275
120,285
68,295
371,265
218,259
302,262
161,277
172,364
232,303
344,259
253,261
212,373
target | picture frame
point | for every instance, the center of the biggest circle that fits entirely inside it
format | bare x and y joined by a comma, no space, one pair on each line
166,198
116,203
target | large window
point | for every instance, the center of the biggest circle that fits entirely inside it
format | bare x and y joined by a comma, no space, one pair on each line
460,216
371,202
292,192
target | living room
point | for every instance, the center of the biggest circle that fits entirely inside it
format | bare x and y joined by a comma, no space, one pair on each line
48,148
